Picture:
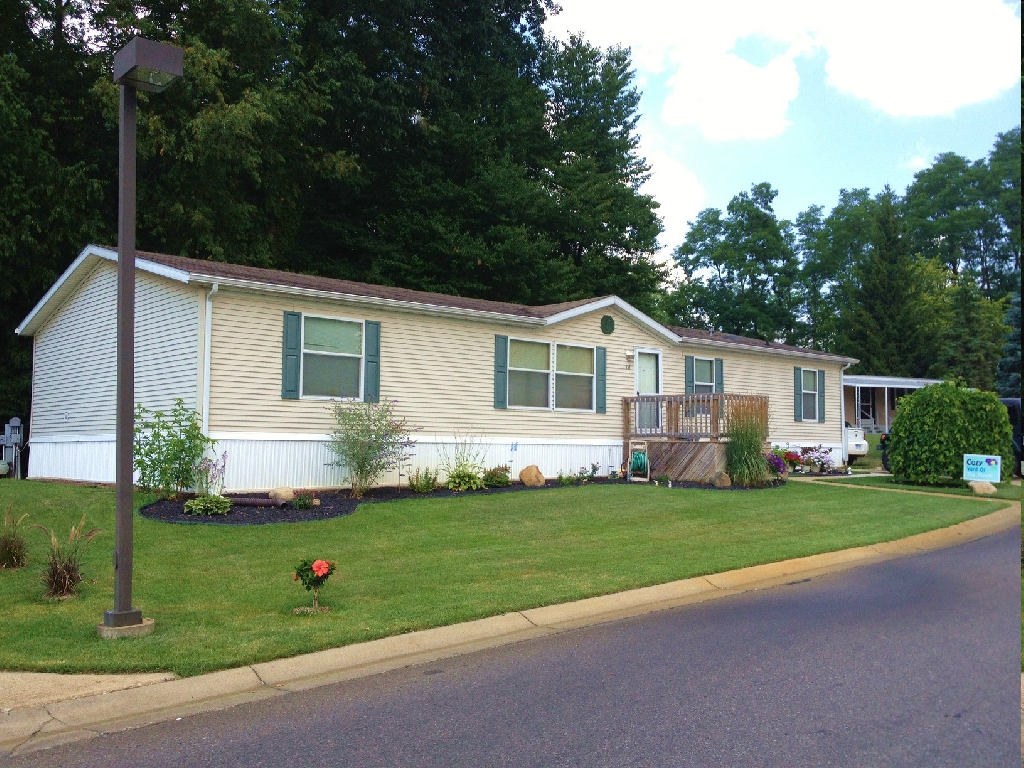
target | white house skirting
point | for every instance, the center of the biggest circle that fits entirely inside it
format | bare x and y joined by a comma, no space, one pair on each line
262,461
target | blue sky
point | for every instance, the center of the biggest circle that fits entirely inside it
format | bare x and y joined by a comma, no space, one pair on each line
807,95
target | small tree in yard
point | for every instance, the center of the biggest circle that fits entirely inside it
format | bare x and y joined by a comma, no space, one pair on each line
935,426
368,440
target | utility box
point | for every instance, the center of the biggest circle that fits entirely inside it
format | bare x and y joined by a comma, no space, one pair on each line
10,446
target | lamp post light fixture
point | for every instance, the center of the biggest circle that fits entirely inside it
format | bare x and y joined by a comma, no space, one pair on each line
142,65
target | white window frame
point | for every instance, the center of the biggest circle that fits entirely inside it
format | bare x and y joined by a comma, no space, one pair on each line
636,368
555,373
804,392
302,358
510,368
711,383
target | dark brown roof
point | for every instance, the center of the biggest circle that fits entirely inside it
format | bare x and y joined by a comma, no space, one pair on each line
312,282
732,338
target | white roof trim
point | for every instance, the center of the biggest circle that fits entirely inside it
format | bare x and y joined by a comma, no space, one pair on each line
398,304
613,301
90,255
894,382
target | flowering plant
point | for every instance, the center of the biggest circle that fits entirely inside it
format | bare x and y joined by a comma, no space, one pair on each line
776,463
210,475
313,574
819,455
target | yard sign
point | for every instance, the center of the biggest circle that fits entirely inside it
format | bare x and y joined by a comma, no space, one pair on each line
977,467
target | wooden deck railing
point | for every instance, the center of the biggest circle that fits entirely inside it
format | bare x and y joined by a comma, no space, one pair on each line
683,417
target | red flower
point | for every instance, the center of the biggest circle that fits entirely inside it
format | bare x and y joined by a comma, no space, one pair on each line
296,576
321,567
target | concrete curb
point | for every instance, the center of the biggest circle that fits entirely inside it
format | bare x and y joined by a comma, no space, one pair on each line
30,728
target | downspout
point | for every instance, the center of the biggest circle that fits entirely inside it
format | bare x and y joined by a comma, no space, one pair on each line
842,410
208,336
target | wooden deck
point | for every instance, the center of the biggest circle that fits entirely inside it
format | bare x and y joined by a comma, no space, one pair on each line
685,434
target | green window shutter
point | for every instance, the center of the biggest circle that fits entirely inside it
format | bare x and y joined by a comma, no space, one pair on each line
798,394
500,371
601,383
821,396
689,374
291,355
719,375
371,362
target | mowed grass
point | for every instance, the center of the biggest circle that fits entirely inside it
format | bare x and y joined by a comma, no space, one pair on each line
1003,490
223,596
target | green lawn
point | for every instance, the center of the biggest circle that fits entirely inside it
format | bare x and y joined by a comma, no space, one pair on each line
1004,490
222,596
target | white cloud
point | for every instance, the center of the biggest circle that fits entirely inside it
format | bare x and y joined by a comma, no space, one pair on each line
679,192
916,163
903,57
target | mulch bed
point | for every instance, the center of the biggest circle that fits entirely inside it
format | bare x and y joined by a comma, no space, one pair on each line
338,503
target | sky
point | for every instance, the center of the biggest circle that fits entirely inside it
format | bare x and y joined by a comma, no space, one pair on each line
809,96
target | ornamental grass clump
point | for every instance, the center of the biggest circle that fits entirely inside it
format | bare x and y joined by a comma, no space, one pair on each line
313,574
63,571
748,433
13,549
368,440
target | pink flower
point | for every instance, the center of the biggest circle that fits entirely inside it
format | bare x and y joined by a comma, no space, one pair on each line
321,567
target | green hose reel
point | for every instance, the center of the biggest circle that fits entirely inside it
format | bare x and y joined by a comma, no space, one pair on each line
639,463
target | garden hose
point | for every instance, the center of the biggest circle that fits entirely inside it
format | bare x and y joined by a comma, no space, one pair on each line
638,464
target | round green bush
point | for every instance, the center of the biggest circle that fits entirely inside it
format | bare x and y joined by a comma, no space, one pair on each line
208,505
936,425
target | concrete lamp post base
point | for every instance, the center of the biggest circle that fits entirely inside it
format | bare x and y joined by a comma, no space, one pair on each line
132,630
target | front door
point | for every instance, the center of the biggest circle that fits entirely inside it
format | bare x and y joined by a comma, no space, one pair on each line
648,382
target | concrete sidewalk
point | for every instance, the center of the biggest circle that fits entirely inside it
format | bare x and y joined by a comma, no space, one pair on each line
38,711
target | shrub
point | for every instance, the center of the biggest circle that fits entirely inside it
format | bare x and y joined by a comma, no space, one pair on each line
168,450
210,504
63,571
423,481
498,477
464,466
936,425
748,433
566,479
314,574
464,480
13,549
368,440
303,501
586,475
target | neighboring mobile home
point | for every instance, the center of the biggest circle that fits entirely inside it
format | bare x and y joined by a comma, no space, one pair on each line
870,401
263,354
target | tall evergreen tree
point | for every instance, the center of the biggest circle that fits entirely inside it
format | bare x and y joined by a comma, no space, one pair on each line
890,324
971,341
1008,369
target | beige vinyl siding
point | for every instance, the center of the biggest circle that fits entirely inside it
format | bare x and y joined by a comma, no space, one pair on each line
771,374
74,376
441,371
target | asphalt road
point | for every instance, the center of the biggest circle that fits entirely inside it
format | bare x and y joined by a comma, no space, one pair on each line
910,662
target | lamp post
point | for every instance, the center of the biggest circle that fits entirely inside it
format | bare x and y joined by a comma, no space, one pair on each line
143,65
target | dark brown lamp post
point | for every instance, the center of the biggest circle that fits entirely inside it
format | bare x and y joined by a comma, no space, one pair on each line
143,65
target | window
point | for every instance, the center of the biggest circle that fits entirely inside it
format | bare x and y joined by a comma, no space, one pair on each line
810,395
574,377
703,375
529,371
332,357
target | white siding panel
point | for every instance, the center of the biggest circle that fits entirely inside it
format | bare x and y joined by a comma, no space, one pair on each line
74,376
256,464
90,461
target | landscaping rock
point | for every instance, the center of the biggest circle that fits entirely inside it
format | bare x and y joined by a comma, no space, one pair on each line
721,480
531,476
982,488
282,494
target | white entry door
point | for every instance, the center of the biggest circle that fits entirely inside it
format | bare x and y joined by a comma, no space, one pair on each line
648,382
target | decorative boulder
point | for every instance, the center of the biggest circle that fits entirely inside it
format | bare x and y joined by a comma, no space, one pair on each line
981,488
283,493
721,480
531,476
